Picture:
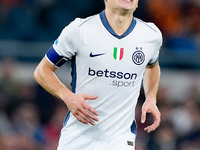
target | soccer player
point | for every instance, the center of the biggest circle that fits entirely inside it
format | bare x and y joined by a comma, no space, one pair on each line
111,53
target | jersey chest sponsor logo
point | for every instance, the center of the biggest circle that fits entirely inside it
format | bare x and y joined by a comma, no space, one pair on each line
120,79
112,74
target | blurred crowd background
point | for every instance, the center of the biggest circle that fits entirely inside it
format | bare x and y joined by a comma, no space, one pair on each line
31,119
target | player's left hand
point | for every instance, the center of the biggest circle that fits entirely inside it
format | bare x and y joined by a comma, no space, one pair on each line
150,106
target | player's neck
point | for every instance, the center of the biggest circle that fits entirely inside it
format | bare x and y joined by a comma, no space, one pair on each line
119,21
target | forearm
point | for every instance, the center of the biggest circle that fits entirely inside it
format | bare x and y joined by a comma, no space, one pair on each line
45,76
151,81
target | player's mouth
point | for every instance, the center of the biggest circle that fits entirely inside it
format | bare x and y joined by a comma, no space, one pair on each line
128,1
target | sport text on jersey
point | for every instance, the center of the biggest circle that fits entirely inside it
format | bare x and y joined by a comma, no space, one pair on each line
121,79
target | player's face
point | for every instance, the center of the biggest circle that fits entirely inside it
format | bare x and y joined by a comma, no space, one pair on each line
127,5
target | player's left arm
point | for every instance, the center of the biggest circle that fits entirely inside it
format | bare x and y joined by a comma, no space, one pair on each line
150,84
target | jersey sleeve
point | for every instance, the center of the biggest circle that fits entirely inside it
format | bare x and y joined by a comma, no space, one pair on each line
66,45
157,45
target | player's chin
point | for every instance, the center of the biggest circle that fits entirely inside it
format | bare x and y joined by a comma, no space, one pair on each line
129,4
128,7
128,10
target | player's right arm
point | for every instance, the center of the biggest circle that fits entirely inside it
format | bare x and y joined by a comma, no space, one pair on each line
45,75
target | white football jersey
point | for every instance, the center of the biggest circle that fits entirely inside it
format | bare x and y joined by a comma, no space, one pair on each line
111,67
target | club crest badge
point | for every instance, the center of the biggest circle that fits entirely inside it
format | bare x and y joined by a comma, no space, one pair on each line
138,56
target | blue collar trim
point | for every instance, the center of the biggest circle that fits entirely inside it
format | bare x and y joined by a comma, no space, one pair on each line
109,28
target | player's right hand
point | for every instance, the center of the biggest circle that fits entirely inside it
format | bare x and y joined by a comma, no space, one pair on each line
81,110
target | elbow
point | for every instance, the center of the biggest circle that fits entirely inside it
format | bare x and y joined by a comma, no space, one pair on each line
36,74
43,70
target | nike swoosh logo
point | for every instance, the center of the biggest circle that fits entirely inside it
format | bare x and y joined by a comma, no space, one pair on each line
95,55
